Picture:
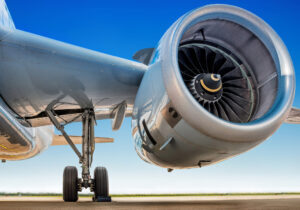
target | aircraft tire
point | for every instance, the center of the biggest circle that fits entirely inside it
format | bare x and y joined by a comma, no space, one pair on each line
101,187
70,184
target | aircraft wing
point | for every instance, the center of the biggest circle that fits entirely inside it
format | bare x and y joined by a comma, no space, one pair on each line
39,73
68,78
294,116
60,140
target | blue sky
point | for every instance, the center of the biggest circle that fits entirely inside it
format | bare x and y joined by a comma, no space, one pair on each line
121,28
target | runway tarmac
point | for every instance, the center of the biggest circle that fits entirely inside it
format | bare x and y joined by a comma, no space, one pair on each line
145,203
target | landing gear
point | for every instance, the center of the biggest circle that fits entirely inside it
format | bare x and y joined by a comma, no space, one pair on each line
71,183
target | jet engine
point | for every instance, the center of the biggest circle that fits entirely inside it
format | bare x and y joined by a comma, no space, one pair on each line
219,82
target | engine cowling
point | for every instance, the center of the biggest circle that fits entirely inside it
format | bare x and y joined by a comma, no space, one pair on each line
220,82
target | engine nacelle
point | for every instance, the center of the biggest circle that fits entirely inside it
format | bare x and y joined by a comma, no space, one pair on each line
220,82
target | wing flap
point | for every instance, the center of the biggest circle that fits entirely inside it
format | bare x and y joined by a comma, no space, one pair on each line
60,140
293,117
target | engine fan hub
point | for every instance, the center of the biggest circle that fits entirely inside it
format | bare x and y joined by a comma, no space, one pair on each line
207,86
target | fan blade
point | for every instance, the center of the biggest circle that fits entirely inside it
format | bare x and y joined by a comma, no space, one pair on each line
244,93
233,117
239,83
218,63
221,111
226,67
200,58
232,74
185,63
188,58
240,111
241,101
214,109
210,58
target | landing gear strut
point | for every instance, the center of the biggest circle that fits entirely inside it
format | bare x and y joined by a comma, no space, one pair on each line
71,183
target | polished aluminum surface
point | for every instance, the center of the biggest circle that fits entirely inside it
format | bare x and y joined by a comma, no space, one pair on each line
5,18
67,76
37,72
16,141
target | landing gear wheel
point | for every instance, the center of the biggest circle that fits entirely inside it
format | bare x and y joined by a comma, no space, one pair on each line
101,188
70,183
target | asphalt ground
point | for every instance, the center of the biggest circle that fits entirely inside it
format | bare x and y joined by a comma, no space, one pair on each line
143,203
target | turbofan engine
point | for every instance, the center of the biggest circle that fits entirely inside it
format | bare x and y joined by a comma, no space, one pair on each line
219,83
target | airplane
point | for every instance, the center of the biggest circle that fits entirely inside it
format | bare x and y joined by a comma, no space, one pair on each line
219,82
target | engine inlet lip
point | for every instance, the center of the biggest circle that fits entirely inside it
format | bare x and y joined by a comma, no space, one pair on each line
196,115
